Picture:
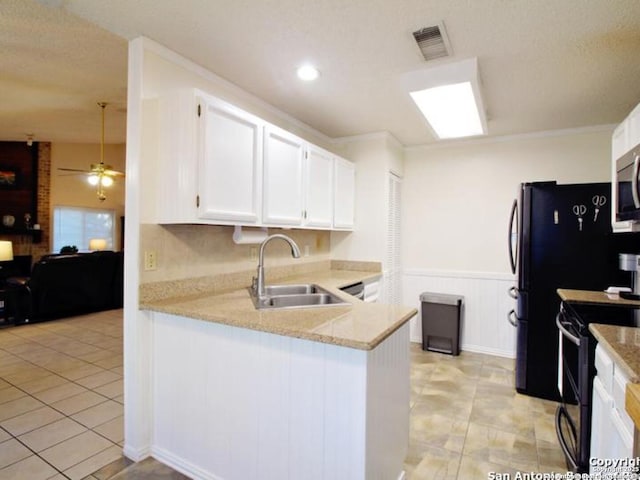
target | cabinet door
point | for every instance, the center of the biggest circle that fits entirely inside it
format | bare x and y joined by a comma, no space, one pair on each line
601,427
318,188
344,196
229,163
283,160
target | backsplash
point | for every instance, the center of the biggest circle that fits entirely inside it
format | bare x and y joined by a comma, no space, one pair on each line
189,251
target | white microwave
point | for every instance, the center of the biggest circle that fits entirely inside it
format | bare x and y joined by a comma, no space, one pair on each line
626,192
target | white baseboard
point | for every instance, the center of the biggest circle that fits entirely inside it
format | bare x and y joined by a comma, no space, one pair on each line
484,325
135,454
181,465
478,349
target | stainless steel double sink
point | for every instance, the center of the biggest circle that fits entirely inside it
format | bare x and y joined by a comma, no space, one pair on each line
295,296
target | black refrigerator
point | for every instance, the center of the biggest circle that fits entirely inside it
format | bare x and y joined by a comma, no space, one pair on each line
559,237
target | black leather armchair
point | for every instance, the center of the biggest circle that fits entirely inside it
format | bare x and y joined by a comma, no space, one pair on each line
66,285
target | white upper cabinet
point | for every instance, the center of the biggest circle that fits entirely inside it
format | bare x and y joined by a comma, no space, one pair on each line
318,188
619,143
282,177
344,198
217,164
626,135
175,166
633,128
229,162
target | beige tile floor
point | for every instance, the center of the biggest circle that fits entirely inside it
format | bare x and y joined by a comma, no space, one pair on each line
61,397
61,410
467,420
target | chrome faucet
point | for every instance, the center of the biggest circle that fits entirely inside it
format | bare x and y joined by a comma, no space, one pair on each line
257,285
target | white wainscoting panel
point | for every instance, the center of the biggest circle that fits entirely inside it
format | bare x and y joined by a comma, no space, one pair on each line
388,407
485,327
231,403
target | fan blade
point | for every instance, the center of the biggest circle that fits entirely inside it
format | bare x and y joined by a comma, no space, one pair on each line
72,170
114,173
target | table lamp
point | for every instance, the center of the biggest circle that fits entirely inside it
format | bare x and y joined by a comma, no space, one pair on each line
6,251
97,244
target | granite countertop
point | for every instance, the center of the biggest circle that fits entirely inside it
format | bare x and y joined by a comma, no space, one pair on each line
623,344
595,297
358,325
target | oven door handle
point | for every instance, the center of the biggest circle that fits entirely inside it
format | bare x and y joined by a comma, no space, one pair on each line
566,333
560,412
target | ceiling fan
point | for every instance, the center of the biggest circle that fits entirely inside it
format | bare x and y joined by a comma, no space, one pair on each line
100,175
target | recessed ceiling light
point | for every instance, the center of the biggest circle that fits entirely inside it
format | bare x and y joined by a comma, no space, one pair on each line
308,73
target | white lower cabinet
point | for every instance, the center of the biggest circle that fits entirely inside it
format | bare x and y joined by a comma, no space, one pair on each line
612,430
371,291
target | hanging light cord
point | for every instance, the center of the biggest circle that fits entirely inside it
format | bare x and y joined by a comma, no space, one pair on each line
102,105
100,192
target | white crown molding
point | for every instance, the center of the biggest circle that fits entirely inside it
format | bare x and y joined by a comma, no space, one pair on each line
170,55
369,136
178,59
512,138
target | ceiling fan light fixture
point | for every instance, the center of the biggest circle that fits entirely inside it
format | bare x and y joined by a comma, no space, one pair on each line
106,181
93,180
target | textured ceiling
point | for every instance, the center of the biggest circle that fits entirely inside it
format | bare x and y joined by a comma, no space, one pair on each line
544,64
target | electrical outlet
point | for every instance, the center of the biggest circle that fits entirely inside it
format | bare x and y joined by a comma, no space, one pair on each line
253,253
306,250
150,260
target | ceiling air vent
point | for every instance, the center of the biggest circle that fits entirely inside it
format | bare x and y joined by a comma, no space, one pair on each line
433,42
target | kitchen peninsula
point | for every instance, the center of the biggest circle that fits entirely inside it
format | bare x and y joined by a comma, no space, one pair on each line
314,393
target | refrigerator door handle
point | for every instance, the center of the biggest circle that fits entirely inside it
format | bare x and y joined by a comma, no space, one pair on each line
514,218
634,181
513,318
513,292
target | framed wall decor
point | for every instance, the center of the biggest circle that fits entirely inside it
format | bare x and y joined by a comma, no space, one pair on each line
8,178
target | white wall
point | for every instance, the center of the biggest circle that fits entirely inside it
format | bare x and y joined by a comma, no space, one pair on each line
455,206
374,156
456,200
